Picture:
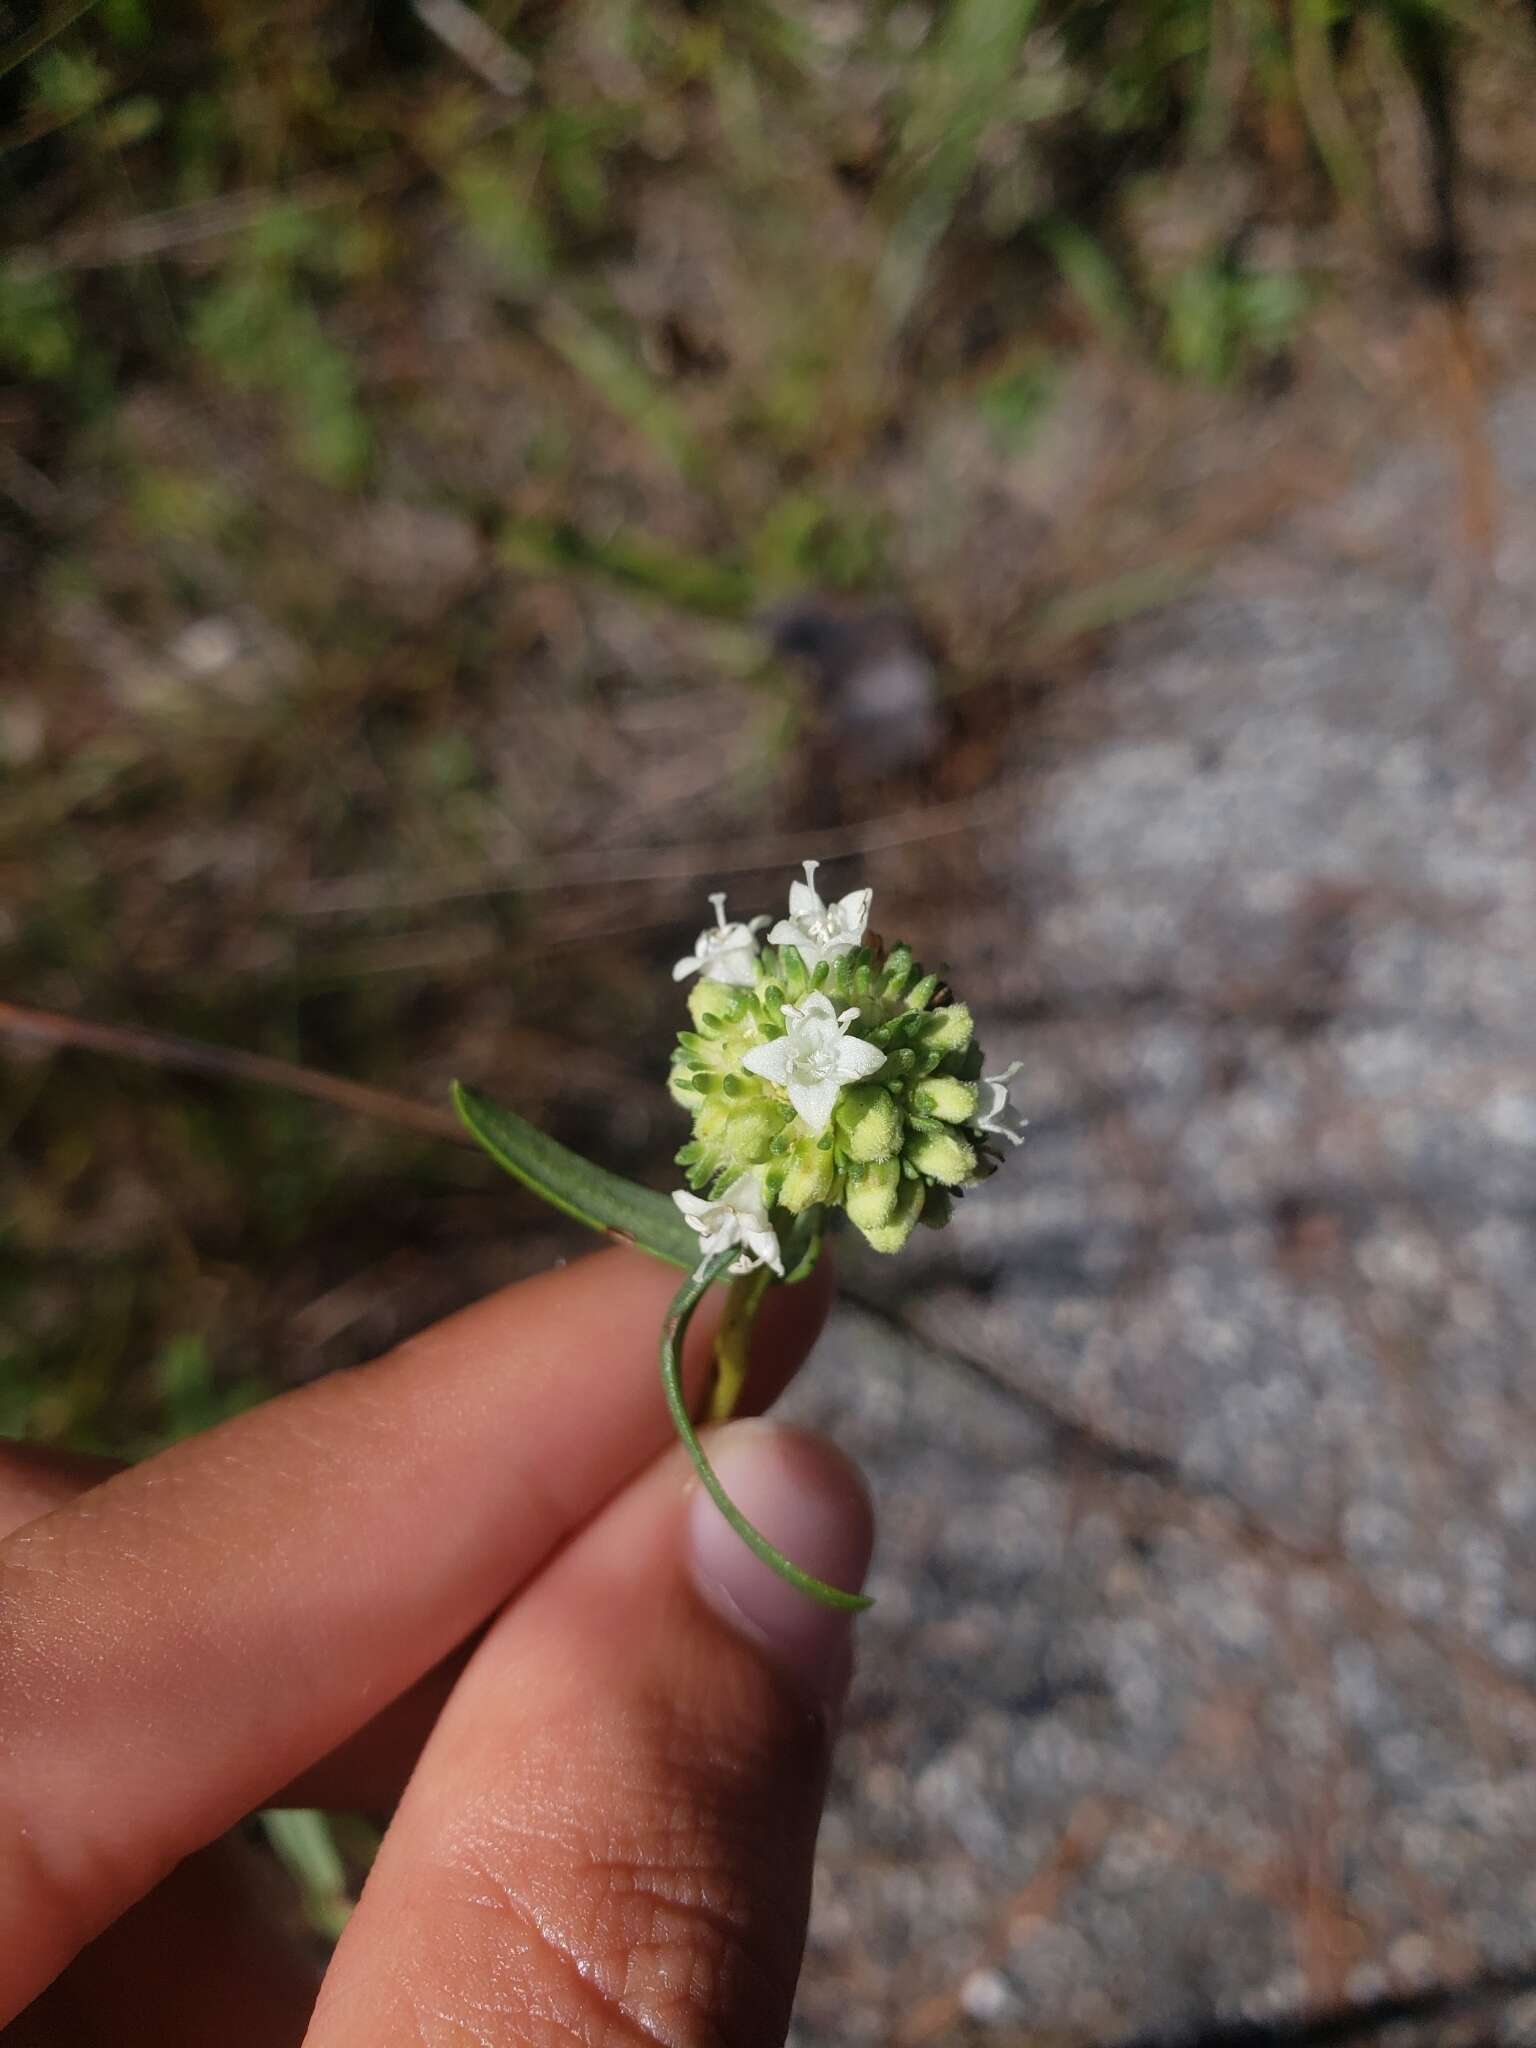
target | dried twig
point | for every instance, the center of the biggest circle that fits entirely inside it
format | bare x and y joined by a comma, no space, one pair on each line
475,43
606,868
105,245
192,1056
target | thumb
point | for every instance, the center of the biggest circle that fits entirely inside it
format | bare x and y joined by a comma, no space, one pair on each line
610,1832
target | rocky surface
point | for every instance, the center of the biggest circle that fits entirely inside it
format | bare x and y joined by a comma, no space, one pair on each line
1201,1689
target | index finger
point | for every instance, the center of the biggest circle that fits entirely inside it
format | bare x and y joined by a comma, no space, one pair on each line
186,1638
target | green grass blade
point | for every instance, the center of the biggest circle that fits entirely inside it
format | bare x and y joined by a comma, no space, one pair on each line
684,1302
303,1842
603,1201
20,49
974,57
691,582
620,379
1092,274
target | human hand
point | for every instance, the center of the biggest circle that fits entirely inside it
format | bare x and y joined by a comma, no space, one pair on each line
473,1566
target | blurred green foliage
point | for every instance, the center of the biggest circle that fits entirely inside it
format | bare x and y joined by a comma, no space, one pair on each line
41,335
306,1844
402,426
258,327
1016,120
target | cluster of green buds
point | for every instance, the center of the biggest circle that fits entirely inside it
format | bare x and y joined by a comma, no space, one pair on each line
823,1069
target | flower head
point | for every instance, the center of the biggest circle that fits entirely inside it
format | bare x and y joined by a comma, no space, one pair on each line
739,1216
815,1059
821,931
826,1071
998,1115
724,952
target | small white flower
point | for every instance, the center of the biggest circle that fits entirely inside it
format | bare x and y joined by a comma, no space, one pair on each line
725,952
821,931
1000,1117
815,1059
738,1217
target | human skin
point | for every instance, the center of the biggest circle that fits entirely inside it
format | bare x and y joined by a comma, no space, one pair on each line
476,1570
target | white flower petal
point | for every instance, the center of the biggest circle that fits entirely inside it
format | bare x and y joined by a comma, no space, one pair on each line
857,1059
820,931
736,966
763,1244
1000,1118
771,1061
815,1101
803,937
851,912
814,1060
738,1217
724,951
745,1195
804,897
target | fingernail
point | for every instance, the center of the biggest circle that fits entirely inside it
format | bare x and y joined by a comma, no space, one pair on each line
810,1502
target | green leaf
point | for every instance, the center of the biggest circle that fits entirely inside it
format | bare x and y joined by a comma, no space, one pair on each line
679,1315
603,1201
302,1840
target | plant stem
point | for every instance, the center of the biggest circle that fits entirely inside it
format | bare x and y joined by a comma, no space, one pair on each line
679,1315
733,1346
228,1062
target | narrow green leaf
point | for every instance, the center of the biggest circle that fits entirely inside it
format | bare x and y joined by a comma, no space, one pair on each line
684,1302
617,373
303,1841
603,1201
1091,272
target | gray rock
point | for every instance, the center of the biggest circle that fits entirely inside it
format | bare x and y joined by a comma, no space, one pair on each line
1202,1683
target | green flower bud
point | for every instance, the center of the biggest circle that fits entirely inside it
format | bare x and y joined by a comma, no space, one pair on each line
680,1087
710,1120
810,1177
871,1122
711,1003
891,1235
748,1131
941,1156
953,1102
898,972
947,1029
872,1196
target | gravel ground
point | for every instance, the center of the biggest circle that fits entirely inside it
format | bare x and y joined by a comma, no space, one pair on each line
1199,1703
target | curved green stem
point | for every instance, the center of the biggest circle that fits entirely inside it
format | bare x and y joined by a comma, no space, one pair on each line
679,1315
